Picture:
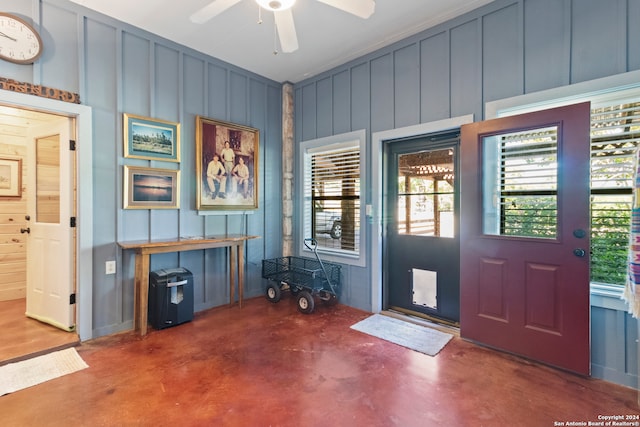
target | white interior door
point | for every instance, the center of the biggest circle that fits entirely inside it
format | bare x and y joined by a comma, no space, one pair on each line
50,282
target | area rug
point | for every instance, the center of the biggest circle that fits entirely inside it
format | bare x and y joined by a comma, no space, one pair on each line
419,338
19,375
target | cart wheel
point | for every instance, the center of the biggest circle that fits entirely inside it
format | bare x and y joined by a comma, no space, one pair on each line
330,301
305,302
273,292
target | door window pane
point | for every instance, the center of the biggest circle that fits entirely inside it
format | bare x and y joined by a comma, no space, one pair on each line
48,179
520,185
426,193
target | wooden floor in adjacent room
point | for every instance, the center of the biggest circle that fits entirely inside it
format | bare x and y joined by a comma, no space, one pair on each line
23,337
268,365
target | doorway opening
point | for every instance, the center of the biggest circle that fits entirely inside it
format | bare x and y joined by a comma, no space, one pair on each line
14,107
379,300
43,203
421,246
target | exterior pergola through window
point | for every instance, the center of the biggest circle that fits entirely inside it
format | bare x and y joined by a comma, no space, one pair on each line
426,193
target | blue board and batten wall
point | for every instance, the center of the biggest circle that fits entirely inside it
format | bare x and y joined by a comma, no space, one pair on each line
116,69
504,49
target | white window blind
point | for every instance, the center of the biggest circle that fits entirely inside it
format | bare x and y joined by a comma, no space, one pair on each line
615,136
524,194
529,184
333,197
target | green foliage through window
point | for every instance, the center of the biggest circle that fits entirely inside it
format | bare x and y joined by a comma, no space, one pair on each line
615,136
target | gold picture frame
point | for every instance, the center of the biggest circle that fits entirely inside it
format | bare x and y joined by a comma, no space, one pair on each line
226,165
151,139
10,177
151,188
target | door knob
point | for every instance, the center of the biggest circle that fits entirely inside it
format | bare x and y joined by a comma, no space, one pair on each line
25,230
579,252
579,233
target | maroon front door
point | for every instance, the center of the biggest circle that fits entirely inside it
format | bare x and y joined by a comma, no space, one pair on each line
524,235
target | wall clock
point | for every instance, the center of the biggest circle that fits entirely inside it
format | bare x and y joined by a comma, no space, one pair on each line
19,41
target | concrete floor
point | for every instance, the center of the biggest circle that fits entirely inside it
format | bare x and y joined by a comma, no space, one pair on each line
268,365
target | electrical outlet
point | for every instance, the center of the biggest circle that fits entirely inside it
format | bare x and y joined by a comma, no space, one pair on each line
110,267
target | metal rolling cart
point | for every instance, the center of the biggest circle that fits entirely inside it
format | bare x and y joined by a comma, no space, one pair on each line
306,278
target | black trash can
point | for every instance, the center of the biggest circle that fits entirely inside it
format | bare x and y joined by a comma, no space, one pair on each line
170,297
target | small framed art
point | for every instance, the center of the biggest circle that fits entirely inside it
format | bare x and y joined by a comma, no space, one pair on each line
10,177
151,188
151,139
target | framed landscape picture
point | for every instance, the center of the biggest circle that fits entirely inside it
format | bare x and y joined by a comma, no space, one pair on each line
226,165
151,188
151,139
10,177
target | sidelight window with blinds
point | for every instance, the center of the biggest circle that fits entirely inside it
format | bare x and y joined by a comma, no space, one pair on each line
615,137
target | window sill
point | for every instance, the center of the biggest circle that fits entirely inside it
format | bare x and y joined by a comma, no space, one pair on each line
607,296
336,257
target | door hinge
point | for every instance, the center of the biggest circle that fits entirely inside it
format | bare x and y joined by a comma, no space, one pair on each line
72,222
72,145
72,299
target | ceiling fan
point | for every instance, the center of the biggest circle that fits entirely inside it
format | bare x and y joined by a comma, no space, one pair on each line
283,16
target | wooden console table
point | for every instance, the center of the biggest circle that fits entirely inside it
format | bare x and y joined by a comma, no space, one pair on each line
145,248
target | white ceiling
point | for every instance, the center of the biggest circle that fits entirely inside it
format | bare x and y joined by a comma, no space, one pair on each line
327,36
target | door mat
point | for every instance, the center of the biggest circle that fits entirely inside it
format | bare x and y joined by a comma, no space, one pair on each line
20,375
419,338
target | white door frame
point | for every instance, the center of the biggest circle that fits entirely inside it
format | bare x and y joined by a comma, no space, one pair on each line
84,162
378,139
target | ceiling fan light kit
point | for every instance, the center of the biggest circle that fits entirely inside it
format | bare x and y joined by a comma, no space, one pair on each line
275,5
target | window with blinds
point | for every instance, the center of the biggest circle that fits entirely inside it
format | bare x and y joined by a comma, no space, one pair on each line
521,200
333,193
615,136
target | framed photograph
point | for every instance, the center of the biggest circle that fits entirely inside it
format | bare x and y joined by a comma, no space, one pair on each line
226,165
10,177
151,139
151,188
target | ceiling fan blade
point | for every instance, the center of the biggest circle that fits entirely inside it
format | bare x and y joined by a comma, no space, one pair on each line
286,30
360,8
212,10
